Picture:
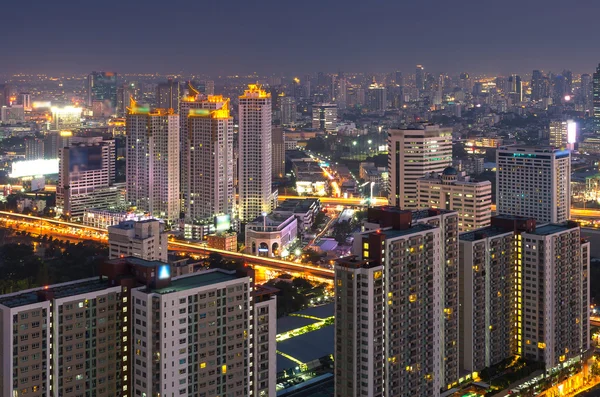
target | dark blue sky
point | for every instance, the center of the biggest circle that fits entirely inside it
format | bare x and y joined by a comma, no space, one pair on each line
285,36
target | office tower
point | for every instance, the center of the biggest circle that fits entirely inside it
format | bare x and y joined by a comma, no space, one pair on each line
452,190
144,239
34,148
102,87
560,89
278,152
516,88
558,134
167,95
54,141
124,93
152,161
586,94
376,98
519,297
184,322
86,176
420,79
209,159
307,85
393,336
24,99
324,116
412,153
596,99
340,92
399,79
537,85
287,105
534,182
568,75
14,114
66,117
65,339
255,168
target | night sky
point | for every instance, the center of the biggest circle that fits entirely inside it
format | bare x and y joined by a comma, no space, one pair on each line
295,37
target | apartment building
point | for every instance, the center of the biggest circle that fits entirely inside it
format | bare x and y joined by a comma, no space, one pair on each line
145,239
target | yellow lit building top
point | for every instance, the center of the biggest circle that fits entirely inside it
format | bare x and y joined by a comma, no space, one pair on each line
66,133
254,91
135,109
222,113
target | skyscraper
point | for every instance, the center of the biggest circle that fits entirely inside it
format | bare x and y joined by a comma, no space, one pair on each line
413,152
376,98
420,79
324,116
278,152
558,134
596,99
395,336
287,106
534,182
34,148
102,87
586,94
456,191
537,85
167,95
209,151
152,168
516,88
255,168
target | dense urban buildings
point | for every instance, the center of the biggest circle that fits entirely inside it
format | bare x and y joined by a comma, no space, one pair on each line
102,92
412,153
405,342
534,182
255,146
451,190
152,170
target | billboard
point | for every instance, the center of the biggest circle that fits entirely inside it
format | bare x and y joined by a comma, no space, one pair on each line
571,131
222,223
164,272
85,158
21,169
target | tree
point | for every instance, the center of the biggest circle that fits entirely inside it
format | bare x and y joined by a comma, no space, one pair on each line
341,231
458,151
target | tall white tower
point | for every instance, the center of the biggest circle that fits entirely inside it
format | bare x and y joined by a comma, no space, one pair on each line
152,169
254,153
209,153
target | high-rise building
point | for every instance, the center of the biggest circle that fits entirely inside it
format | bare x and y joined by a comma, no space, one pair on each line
5,95
376,98
24,99
420,79
534,182
324,116
586,94
596,99
519,297
558,134
145,239
137,313
66,117
255,168
34,148
124,93
287,106
208,147
537,85
12,114
152,161
54,141
86,177
167,95
393,336
340,92
278,152
399,79
102,87
456,191
516,88
412,153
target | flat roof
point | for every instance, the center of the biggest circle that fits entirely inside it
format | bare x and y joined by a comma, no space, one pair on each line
137,261
551,228
59,291
196,280
419,227
489,231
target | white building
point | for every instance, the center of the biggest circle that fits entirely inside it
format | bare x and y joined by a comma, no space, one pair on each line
12,114
269,235
181,323
287,104
534,182
254,168
412,153
152,169
209,159
452,190
143,239
86,177
324,116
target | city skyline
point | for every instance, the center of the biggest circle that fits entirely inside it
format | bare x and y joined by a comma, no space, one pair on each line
377,38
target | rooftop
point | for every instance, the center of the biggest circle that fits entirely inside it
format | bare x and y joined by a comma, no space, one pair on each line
195,280
485,232
59,290
552,228
392,233
136,261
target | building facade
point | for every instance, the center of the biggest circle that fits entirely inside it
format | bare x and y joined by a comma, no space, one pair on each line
269,235
452,190
255,153
102,88
413,153
534,182
144,239
324,116
152,161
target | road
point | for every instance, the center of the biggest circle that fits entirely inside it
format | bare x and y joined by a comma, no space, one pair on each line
56,228
354,201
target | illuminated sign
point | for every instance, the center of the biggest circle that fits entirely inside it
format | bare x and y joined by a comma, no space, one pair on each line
41,104
571,131
164,272
222,223
34,168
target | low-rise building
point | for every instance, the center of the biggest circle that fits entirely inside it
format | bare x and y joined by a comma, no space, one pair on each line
305,210
269,235
223,241
142,239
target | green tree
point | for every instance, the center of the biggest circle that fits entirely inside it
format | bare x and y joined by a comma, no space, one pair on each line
341,231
